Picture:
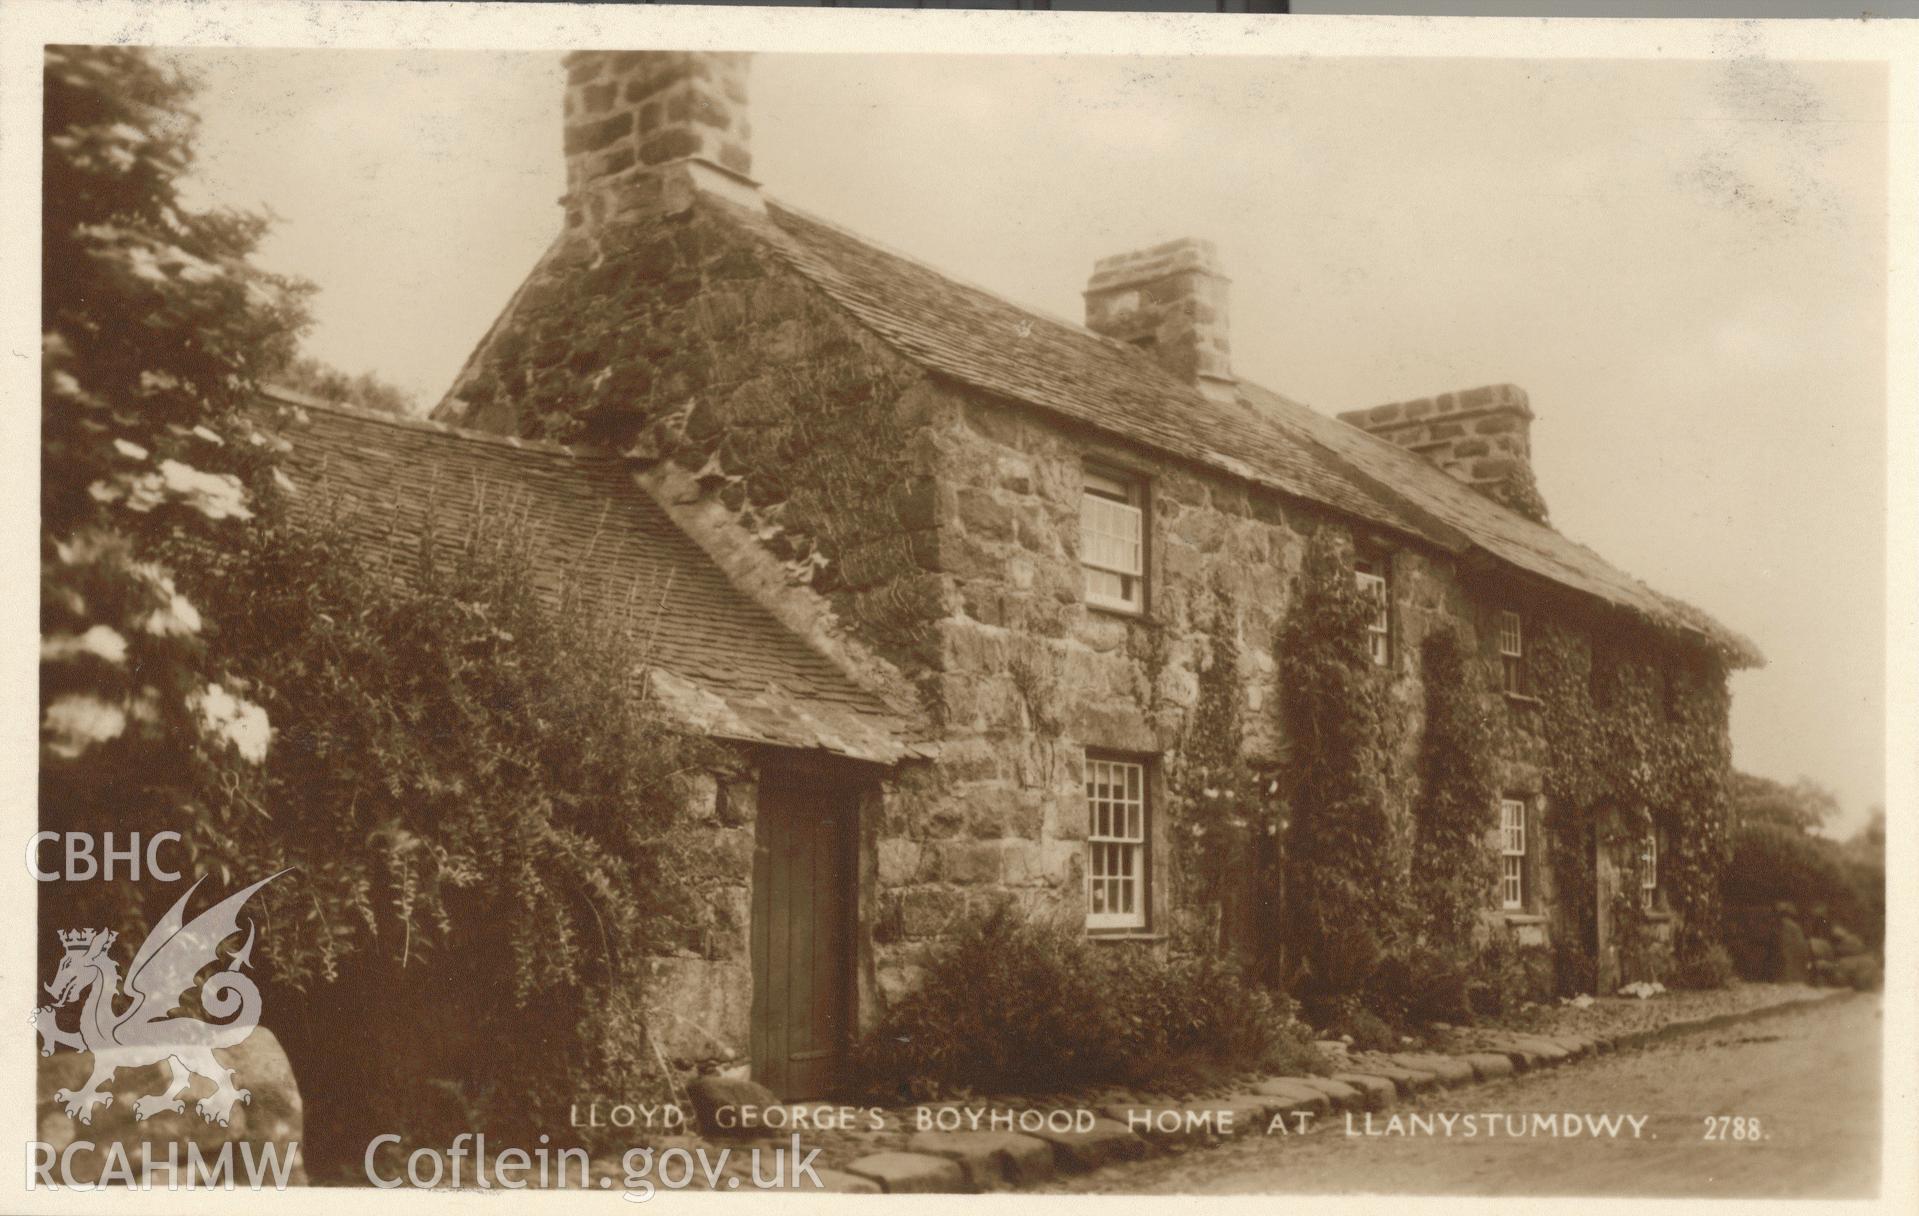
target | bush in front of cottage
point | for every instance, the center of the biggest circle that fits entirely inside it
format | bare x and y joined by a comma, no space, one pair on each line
1012,1005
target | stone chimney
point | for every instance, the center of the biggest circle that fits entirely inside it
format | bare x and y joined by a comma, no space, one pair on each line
1170,300
643,125
1482,436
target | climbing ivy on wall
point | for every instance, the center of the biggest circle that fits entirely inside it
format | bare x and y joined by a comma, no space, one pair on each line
841,447
1697,747
1648,741
1227,810
1346,891
701,350
1519,492
1452,865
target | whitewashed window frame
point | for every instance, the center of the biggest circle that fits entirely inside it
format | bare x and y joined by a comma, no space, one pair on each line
1512,653
1649,870
1372,583
1512,854
1112,541
1118,845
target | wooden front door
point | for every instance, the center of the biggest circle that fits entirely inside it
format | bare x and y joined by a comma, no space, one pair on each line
804,884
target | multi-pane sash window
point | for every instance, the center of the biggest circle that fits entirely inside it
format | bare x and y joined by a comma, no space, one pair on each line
1648,870
1115,844
1112,549
1512,848
1512,653
1371,578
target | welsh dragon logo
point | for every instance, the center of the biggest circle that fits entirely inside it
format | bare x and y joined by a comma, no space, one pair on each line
141,1032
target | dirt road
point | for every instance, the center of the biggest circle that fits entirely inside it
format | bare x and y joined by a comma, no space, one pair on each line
1811,1080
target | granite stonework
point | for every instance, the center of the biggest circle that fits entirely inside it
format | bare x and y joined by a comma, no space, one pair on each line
1027,677
699,996
951,583
923,533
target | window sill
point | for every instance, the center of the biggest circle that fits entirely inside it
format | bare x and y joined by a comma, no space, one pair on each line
1124,614
1520,698
1656,918
1516,917
1124,935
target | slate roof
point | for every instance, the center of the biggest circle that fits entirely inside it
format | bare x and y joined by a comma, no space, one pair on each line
973,336
724,664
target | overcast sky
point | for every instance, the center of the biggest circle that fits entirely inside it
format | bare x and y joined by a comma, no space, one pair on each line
1682,263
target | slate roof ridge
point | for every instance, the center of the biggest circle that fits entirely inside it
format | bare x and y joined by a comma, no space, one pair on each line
287,396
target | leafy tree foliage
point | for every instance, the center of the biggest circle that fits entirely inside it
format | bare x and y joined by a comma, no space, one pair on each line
1779,856
483,808
156,327
1800,807
1870,841
477,804
368,391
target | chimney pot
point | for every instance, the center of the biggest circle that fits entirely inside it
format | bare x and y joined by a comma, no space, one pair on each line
1169,299
1482,436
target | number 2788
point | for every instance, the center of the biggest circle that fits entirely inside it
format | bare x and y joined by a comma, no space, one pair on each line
1733,1127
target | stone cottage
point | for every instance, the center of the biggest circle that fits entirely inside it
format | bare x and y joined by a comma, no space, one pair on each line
949,572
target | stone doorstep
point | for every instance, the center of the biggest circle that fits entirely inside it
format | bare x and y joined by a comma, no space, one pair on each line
1380,1092
1105,1142
910,1173
990,1160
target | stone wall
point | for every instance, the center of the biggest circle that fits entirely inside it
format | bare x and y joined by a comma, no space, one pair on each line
673,336
927,537
699,998
1026,678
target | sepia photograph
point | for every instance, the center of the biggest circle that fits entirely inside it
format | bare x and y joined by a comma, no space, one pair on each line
645,603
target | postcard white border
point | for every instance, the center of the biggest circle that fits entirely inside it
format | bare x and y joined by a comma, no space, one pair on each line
27,25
